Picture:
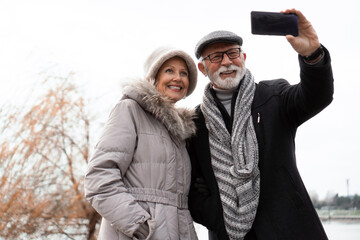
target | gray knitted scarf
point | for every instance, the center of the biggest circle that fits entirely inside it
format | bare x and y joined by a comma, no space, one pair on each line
234,158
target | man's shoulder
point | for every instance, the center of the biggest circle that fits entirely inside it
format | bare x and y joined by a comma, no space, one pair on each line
271,86
267,89
198,113
274,83
199,118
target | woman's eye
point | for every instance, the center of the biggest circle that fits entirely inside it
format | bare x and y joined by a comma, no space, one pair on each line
184,74
169,70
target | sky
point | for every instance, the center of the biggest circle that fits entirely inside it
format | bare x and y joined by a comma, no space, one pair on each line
106,42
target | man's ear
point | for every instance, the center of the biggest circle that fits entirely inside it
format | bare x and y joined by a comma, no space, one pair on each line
244,56
202,68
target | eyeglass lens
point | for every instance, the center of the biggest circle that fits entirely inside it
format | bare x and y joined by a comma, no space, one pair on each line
218,56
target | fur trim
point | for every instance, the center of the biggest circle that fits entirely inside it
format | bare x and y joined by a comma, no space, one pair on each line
178,121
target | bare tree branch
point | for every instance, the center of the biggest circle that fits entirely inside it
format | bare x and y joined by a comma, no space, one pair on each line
43,151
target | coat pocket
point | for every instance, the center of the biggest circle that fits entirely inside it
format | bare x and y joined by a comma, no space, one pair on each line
290,187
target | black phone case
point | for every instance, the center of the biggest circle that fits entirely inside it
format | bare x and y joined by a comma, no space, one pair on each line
272,23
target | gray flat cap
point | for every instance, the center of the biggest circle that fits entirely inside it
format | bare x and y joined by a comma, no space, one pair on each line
214,37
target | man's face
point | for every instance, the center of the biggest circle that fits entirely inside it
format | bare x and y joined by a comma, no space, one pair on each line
227,73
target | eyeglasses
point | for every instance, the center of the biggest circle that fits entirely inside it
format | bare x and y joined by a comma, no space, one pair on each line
217,57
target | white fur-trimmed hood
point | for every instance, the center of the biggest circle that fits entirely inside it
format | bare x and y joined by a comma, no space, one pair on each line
178,121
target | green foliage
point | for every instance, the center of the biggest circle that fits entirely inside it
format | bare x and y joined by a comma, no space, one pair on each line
339,202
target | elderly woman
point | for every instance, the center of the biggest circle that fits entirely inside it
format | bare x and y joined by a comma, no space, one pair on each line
138,178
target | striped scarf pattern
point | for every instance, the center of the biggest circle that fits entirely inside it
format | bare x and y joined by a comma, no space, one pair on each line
234,158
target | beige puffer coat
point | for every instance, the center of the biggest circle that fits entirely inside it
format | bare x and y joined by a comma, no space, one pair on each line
140,170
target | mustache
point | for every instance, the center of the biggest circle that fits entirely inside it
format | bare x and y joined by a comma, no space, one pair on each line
230,68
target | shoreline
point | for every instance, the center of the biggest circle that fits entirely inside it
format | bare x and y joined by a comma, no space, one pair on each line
341,219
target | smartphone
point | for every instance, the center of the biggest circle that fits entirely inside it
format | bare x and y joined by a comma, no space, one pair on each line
273,23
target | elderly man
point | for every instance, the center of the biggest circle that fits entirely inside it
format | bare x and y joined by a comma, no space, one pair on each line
245,183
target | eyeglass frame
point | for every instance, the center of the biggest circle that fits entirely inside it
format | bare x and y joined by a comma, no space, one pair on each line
222,55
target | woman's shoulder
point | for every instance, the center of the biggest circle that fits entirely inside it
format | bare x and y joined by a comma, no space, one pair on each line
127,103
127,106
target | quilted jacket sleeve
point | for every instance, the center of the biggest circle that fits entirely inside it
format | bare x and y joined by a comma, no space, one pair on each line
104,186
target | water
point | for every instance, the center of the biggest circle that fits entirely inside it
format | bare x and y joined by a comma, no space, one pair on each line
342,231
334,231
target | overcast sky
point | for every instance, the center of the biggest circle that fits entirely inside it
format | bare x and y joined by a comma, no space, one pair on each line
105,42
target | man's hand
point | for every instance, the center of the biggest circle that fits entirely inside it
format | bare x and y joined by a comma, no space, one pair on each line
201,187
307,42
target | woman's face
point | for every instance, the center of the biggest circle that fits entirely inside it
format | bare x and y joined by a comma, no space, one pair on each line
172,79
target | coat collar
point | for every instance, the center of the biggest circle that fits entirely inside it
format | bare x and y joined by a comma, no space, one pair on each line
178,121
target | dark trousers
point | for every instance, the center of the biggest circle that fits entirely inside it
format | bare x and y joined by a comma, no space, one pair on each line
249,236
212,236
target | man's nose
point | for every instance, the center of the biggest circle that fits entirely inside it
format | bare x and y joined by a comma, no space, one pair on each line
226,60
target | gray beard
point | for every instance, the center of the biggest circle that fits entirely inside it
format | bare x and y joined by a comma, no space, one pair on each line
230,82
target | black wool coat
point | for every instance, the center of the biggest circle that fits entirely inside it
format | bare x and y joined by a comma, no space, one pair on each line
285,211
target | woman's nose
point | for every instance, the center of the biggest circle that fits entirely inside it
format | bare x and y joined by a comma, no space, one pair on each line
177,77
